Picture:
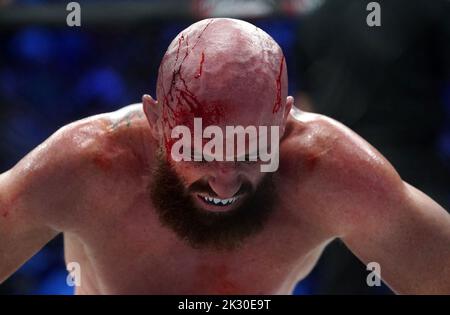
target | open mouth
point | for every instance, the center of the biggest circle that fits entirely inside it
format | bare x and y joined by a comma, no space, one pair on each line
218,201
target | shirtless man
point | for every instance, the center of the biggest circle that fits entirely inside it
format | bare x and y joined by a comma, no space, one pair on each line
137,221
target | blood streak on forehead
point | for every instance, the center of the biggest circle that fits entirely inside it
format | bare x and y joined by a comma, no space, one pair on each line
210,71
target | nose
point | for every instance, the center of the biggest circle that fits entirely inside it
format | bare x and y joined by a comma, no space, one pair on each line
225,182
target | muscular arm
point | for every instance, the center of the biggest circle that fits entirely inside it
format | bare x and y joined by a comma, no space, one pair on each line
385,220
21,234
350,191
40,195
410,239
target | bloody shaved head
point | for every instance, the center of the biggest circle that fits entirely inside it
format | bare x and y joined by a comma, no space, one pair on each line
225,71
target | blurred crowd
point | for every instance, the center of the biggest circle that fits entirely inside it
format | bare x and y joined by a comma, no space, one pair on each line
390,84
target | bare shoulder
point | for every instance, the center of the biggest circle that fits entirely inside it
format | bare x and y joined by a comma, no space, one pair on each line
102,140
95,157
322,143
95,130
66,149
340,172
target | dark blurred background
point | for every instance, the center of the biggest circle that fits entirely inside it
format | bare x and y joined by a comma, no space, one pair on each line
391,84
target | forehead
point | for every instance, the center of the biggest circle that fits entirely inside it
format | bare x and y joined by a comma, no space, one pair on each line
232,139
228,111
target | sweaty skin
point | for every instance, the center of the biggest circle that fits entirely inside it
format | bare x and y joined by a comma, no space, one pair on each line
90,180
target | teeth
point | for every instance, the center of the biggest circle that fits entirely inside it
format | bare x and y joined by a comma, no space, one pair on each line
221,202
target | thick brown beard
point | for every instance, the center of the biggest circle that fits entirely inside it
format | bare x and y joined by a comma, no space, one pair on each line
201,228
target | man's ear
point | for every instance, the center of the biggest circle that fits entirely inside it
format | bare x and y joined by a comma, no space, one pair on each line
151,111
287,110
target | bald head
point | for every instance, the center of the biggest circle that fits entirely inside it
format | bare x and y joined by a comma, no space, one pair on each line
220,80
225,71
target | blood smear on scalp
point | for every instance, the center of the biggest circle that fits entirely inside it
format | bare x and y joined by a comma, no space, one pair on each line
187,104
200,70
277,104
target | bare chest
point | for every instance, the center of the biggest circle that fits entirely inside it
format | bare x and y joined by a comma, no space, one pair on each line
136,254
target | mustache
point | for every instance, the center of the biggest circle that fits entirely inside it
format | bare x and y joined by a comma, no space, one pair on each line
202,186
